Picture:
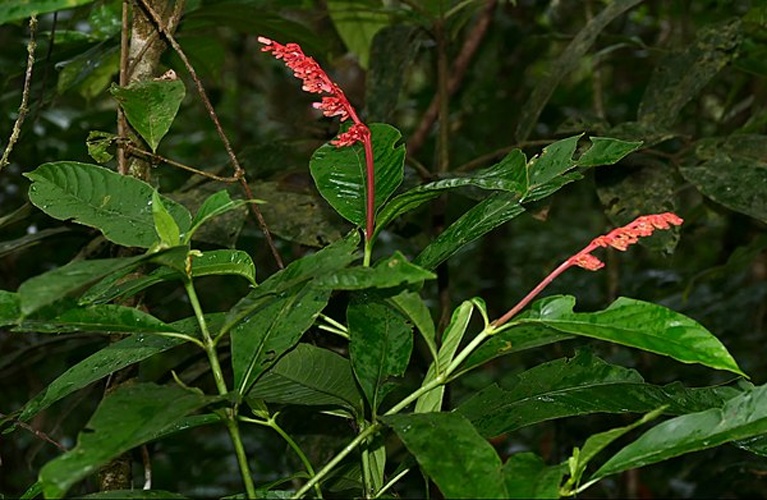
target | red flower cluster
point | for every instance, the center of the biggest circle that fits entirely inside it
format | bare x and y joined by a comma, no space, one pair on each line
623,237
316,81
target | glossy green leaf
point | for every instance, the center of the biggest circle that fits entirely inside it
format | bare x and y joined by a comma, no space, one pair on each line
453,454
98,365
741,417
507,175
604,151
47,288
553,161
330,259
414,309
13,10
126,418
106,318
580,458
639,324
117,205
480,219
380,343
339,173
386,273
527,476
357,22
164,224
215,205
151,106
308,375
578,386
210,263
451,339
271,329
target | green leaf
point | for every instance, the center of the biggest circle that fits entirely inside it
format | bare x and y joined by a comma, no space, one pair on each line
10,308
47,288
126,418
357,22
606,151
642,325
213,262
386,273
13,10
451,339
151,106
98,143
392,51
555,160
594,445
117,205
308,375
340,173
578,386
164,224
732,181
459,461
568,61
330,259
216,204
508,175
271,329
414,309
106,318
681,76
98,365
527,476
480,219
741,417
90,72
380,343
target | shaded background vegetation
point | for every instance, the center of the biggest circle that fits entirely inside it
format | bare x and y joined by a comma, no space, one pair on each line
686,77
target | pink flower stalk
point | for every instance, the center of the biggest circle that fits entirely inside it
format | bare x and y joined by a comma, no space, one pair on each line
620,239
316,81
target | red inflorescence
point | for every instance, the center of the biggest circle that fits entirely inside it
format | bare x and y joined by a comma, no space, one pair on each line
623,237
316,81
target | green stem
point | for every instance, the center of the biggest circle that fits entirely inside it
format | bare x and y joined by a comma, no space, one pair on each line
218,375
272,424
361,437
239,451
439,380
368,253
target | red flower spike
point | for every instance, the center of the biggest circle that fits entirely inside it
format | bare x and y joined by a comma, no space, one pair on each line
623,237
620,239
316,81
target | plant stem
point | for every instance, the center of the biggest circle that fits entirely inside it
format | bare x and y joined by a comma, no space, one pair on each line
368,252
239,450
533,293
361,437
272,423
218,375
370,212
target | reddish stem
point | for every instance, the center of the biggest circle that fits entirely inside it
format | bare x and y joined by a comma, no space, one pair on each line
371,187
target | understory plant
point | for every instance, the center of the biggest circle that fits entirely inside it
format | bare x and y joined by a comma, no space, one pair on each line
346,332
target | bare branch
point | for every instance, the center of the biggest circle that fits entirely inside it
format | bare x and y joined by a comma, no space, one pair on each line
23,107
